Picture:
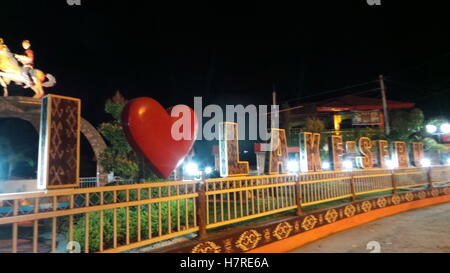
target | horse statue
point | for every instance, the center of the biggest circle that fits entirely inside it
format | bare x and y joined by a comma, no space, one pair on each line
12,71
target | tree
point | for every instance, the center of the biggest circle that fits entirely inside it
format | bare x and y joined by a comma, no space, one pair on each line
407,125
410,126
432,144
119,157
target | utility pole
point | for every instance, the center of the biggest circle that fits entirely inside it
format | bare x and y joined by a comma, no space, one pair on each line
274,102
274,94
385,106
274,98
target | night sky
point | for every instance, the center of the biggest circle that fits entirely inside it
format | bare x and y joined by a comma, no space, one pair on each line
231,53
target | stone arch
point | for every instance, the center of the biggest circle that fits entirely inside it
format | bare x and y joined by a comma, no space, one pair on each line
29,109
98,145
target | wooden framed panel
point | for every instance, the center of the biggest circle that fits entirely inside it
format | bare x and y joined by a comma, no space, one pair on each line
59,143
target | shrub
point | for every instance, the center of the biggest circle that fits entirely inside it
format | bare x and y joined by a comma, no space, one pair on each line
108,227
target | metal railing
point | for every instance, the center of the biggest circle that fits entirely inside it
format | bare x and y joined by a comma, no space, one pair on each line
124,217
92,182
89,182
121,218
238,199
317,188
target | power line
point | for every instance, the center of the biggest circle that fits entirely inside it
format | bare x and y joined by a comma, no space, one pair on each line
282,111
299,107
332,91
367,91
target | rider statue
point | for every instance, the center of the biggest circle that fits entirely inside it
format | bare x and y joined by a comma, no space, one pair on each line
28,63
20,69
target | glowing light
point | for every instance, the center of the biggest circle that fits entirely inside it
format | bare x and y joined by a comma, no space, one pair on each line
326,166
425,162
445,128
208,170
391,164
448,161
431,129
293,166
191,169
348,164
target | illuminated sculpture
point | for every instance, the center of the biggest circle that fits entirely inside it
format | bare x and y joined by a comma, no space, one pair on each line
310,152
230,165
278,154
26,75
365,149
164,139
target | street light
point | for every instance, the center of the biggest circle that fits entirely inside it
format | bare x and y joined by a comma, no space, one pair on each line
391,164
326,166
348,165
425,162
293,166
209,170
191,169
445,128
431,129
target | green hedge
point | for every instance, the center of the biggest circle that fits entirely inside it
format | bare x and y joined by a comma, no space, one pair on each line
108,231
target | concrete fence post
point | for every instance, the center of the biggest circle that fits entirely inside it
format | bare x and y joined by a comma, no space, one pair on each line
298,193
394,182
352,187
430,178
201,207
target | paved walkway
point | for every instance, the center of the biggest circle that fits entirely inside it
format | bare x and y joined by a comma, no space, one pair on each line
424,230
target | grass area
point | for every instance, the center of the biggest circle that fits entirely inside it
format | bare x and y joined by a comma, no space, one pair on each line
327,204
374,195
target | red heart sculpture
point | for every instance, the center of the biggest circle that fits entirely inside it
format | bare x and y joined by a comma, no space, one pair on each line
148,128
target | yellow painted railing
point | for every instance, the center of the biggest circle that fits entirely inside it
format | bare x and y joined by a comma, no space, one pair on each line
238,199
121,218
